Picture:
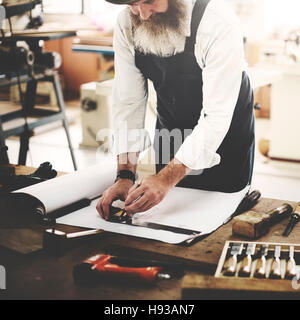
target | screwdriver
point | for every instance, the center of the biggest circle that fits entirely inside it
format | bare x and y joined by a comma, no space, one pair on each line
245,269
276,264
261,265
231,264
291,271
295,218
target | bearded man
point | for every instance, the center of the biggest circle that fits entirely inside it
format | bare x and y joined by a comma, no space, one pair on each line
193,52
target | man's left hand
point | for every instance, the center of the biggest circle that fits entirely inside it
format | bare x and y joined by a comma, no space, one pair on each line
146,195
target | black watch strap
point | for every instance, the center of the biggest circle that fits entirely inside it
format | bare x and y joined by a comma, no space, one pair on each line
125,174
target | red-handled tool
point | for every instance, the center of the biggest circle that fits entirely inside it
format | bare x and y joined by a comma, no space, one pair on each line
106,265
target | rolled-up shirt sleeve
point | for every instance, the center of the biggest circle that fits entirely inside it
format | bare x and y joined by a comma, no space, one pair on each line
223,63
130,94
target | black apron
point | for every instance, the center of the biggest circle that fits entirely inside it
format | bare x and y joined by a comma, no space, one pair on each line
178,83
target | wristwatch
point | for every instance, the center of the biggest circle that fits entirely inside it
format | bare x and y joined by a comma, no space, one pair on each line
125,174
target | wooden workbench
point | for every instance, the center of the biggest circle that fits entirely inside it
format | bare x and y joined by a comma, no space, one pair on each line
36,275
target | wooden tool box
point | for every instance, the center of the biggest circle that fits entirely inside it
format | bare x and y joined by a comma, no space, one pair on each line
269,258
237,284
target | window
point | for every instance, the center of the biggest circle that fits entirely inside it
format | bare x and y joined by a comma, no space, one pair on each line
64,6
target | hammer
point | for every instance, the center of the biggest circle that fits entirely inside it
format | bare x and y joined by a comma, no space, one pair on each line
253,225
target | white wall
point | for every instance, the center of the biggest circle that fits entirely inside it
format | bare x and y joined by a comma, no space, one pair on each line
281,16
103,14
260,19
264,19
62,6
251,14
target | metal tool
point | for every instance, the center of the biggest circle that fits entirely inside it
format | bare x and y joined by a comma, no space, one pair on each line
245,269
291,270
253,225
106,266
261,265
295,218
120,216
231,264
276,264
11,182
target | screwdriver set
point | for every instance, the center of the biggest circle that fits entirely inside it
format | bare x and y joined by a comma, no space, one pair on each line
258,260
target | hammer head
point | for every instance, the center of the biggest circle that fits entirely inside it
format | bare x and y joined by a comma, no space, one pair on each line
251,225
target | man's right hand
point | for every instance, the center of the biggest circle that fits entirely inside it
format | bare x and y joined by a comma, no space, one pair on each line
118,191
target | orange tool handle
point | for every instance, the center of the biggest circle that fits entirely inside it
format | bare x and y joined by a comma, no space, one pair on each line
146,274
102,264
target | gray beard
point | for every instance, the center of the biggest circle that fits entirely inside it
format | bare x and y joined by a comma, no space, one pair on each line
164,35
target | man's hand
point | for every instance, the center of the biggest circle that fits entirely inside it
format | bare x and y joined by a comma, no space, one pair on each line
118,191
154,189
146,195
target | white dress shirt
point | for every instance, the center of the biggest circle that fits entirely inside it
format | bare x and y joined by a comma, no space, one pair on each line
220,54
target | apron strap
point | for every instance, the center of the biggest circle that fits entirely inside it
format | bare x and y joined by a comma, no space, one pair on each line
197,15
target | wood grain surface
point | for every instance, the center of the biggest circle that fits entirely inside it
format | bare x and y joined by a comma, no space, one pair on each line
41,276
205,254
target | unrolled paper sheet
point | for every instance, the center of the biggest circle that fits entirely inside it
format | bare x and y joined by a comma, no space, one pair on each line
199,210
